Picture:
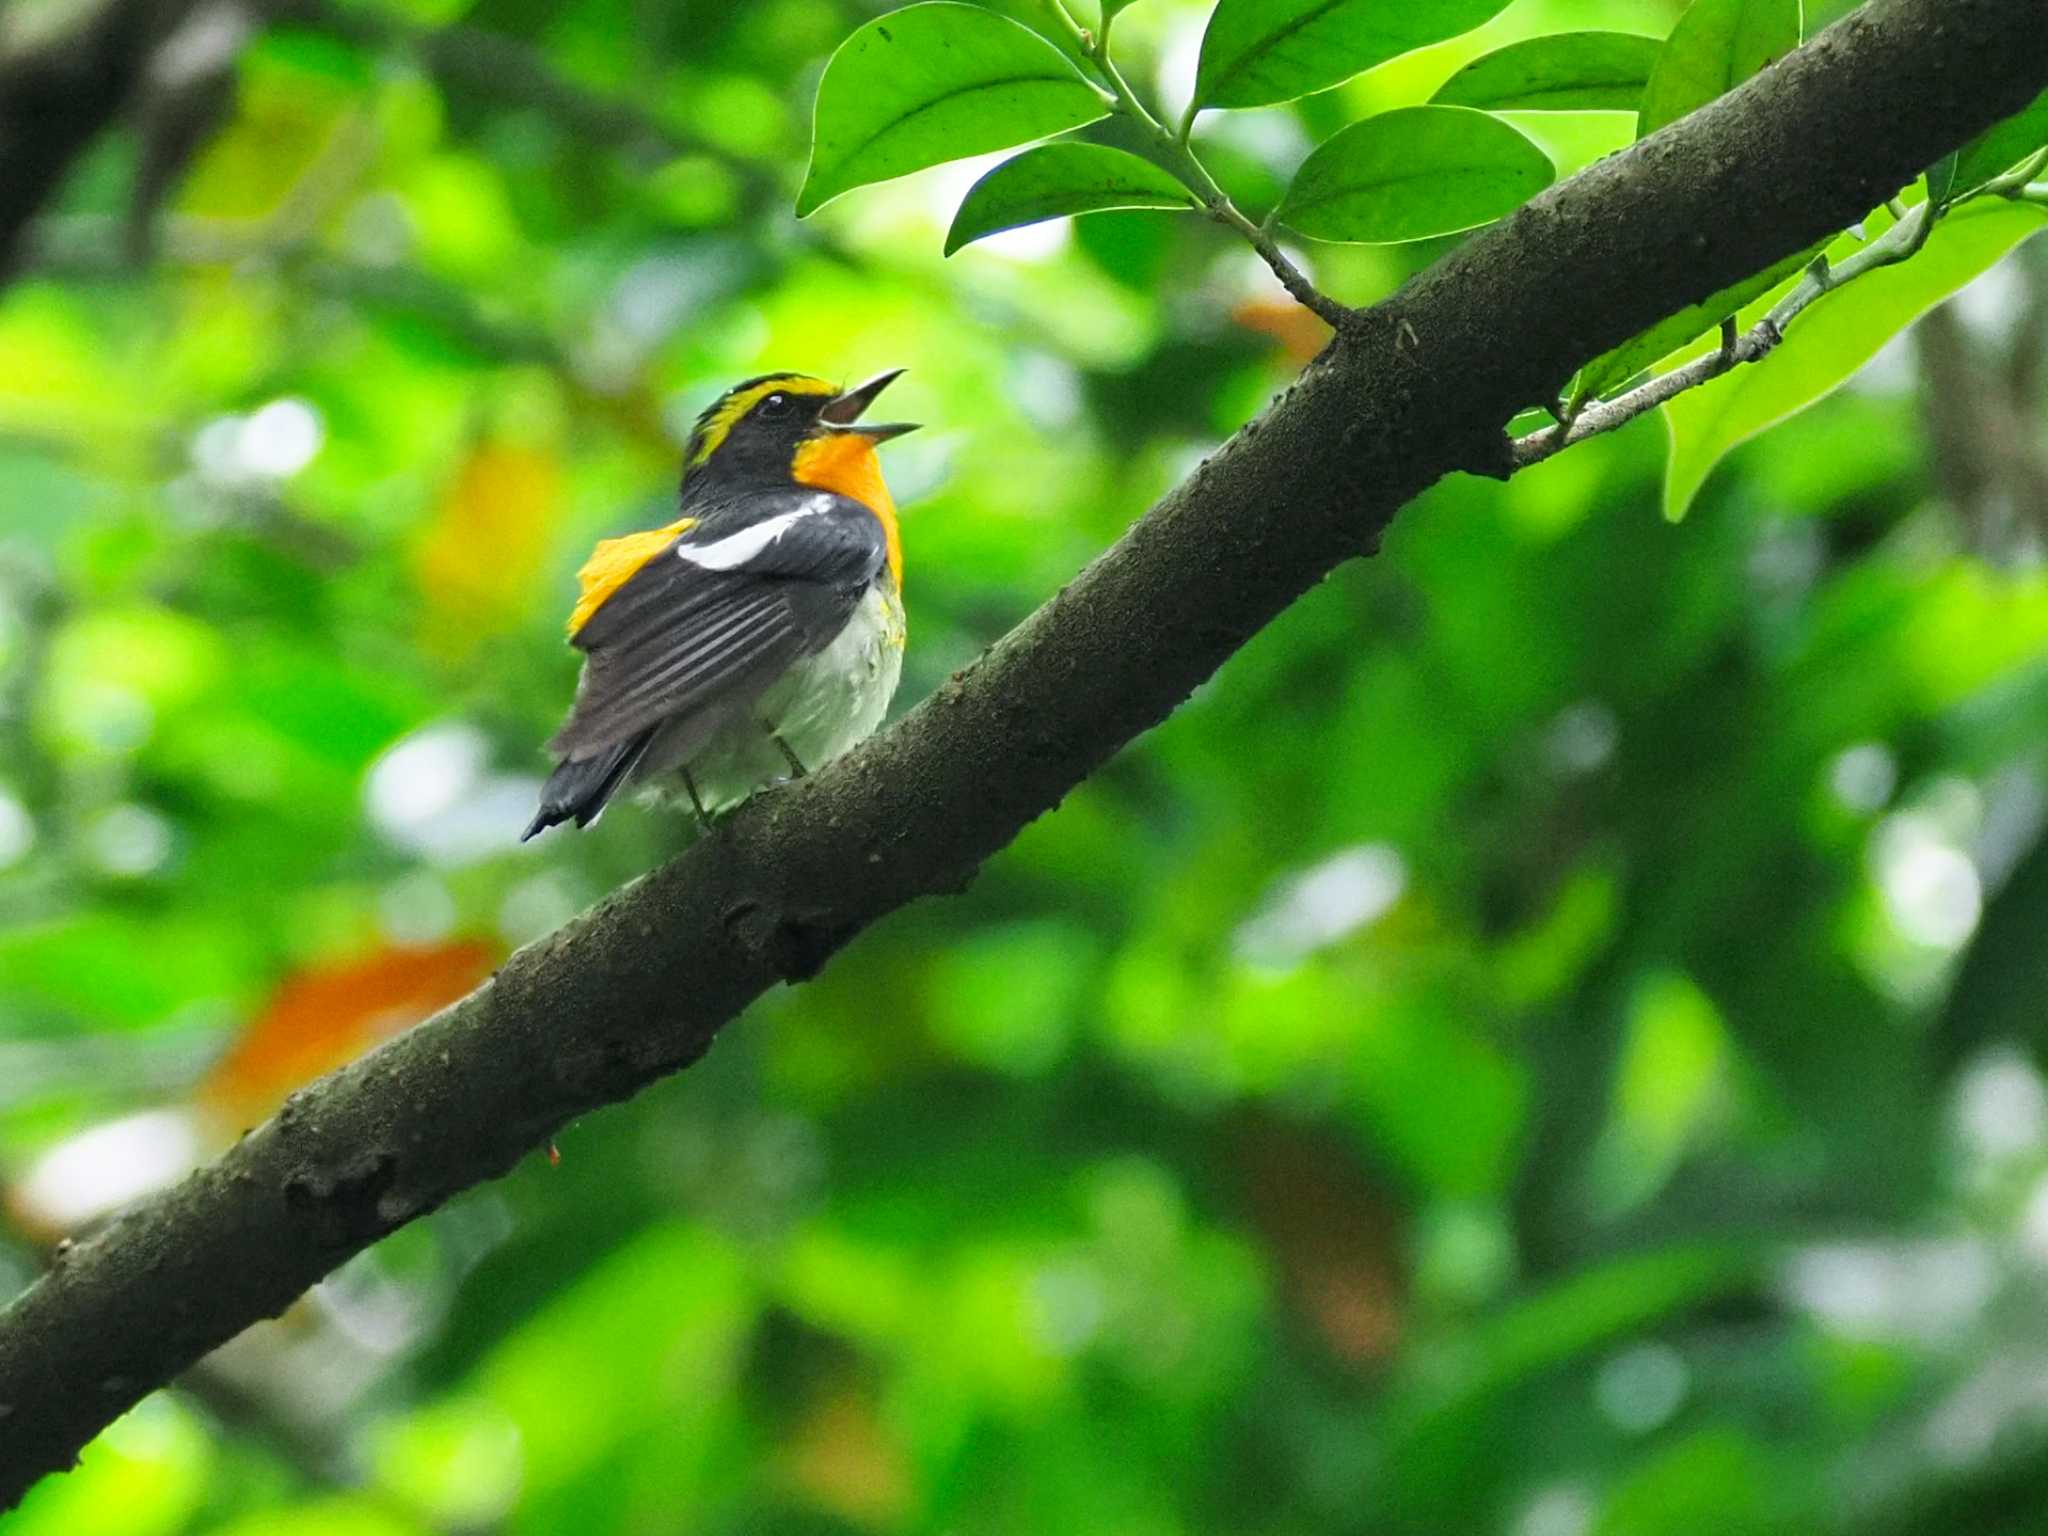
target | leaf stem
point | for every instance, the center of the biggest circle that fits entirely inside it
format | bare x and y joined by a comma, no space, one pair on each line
2014,182
1758,342
1175,154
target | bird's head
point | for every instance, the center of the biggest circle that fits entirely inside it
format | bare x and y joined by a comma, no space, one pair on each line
781,427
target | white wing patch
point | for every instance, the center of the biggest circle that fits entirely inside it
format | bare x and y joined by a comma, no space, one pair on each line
736,549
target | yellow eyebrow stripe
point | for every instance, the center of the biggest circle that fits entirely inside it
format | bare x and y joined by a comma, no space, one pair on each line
723,416
612,564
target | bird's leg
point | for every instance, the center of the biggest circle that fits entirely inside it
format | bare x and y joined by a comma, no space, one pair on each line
797,770
690,788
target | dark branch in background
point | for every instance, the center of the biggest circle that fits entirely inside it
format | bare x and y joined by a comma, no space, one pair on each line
1410,390
186,91
169,63
1981,399
39,609
2027,373
491,64
181,94
57,95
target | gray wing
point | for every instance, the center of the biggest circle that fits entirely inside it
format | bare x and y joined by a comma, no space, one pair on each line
722,611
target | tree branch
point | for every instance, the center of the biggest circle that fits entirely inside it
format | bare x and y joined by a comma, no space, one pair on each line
1897,244
56,97
1980,403
637,988
1762,339
492,64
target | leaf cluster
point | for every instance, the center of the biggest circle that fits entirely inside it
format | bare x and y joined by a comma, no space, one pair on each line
943,80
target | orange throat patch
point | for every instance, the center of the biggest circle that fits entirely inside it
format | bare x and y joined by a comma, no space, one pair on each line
845,462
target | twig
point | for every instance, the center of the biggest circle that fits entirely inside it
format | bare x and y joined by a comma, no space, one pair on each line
1893,246
1176,156
2014,182
40,607
1902,240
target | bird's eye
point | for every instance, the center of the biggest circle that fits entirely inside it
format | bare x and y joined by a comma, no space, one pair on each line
775,405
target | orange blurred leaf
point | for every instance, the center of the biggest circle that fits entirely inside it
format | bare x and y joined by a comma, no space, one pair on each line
326,1016
844,1461
479,559
1300,332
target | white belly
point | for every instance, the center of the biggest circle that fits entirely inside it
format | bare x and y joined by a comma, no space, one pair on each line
825,704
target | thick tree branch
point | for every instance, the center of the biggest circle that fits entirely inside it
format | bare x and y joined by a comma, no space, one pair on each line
637,988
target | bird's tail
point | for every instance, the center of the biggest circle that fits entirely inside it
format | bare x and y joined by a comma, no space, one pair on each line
581,787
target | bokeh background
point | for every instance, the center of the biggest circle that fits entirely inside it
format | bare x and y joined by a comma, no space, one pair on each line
1546,1042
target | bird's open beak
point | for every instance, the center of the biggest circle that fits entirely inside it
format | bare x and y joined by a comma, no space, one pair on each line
842,413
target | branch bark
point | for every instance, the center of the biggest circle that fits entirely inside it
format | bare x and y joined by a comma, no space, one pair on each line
1415,388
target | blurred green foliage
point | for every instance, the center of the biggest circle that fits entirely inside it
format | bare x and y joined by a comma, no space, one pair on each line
1545,1042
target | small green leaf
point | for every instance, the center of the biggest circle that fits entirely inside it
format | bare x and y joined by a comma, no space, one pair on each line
1612,369
1833,339
933,83
2003,145
1412,173
1054,180
1716,45
1260,51
1565,72
1941,179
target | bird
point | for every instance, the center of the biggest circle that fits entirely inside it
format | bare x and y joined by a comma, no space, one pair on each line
757,636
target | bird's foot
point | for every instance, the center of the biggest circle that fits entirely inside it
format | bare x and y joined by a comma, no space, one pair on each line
696,801
797,770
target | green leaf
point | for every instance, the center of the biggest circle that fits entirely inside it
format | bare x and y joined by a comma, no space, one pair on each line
1838,335
933,83
1261,51
2003,145
1565,72
1615,368
1941,179
1716,45
1055,180
1608,1300
1110,8
1412,173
